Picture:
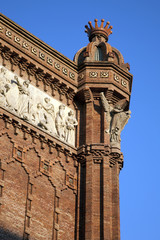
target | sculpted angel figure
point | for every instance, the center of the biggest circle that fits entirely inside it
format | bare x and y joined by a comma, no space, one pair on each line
71,123
117,118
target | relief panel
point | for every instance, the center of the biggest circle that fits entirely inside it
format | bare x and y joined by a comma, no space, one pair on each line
31,104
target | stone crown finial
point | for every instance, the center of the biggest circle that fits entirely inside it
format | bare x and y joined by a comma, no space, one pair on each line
103,31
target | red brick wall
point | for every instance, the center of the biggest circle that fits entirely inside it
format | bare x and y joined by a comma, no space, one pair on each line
37,199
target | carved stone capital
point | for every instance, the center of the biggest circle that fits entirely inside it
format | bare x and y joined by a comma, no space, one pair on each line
98,151
116,157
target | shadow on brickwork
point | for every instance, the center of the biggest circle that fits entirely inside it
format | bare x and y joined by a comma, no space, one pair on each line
82,203
7,235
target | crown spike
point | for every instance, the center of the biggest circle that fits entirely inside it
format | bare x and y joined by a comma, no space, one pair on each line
98,31
90,24
102,22
87,29
107,24
96,24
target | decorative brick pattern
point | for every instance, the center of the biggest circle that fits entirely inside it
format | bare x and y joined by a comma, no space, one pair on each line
48,188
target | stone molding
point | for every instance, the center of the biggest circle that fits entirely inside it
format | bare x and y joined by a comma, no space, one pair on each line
38,49
36,134
38,73
98,152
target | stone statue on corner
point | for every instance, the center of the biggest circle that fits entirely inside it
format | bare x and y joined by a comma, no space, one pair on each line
116,118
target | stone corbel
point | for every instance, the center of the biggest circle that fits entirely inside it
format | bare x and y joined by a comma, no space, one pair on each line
47,81
75,159
70,95
55,86
67,154
39,75
116,157
51,146
62,90
7,121
25,132
23,64
88,96
34,135
31,69
43,141
59,150
6,54
14,60
16,126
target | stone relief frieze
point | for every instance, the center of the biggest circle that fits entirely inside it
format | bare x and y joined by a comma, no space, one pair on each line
31,104
116,118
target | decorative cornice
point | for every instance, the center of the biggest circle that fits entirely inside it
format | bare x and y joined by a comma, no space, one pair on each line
7,26
38,73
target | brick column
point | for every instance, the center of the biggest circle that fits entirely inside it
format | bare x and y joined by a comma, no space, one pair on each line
89,122
115,203
107,199
116,163
89,226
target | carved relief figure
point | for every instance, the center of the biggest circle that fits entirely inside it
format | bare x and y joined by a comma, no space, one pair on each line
12,95
50,115
71,123
4,78
117,118
24,100
4,87
41,118
3,92
29,103
60,122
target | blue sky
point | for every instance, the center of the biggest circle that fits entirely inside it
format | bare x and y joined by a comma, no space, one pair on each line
136,34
